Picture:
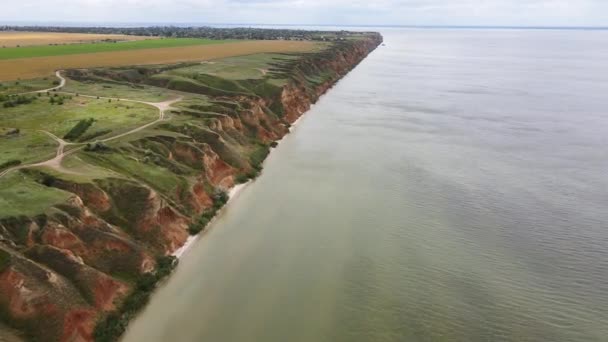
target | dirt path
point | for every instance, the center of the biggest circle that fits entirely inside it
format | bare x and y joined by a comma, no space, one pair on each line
55,163
61,85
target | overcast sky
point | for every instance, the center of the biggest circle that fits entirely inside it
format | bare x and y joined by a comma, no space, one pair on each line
342,12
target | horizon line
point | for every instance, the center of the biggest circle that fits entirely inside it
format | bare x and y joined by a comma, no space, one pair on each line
203,24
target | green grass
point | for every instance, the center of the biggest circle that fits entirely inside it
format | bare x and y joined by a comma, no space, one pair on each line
24,86
20,195
256,66
135,92
28,146
156,176
117,116
74,49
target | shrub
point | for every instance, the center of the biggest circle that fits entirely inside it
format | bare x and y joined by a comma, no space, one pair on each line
79,129
241,178
220,198
198,226
97,146
14,101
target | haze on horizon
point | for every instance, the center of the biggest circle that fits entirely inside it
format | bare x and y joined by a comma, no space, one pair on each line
320,12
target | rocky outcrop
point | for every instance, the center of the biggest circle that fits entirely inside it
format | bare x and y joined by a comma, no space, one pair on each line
67,268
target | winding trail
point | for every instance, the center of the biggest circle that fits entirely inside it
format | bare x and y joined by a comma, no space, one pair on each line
62,82
55,162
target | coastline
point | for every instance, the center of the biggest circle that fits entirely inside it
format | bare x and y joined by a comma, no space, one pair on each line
233,193
301,104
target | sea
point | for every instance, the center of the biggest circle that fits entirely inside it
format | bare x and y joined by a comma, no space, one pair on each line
452,187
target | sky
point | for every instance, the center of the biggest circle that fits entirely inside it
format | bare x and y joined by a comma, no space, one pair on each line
315,12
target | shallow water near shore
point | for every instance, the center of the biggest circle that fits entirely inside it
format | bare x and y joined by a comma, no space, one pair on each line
453,187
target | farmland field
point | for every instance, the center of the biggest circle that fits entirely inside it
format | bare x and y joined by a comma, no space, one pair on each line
26,68
75,49
12,39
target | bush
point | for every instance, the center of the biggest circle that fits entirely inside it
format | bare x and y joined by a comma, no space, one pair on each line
14,101
220,198
97,146
199,225
241,178
79,129
114,325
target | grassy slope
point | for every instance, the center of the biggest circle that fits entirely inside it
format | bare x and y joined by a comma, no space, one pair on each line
141,93
74,49
238,68
20,195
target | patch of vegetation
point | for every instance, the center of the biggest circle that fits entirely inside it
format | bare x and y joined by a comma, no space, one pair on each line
114,324
59,100
94,135
98,146
10,163
219,200
92,85
5,259
79,129
14,101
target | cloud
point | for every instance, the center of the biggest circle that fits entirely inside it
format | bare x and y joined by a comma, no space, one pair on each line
344,12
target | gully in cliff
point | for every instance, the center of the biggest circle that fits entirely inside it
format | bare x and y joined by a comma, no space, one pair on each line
88,238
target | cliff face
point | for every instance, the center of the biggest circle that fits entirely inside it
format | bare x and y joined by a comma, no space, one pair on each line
65,269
